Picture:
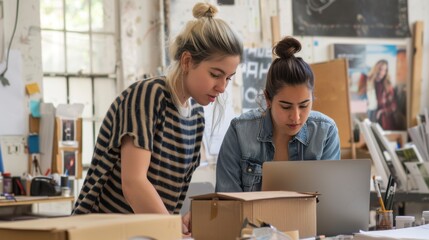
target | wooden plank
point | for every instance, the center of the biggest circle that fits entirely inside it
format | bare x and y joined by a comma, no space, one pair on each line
263,14
416,79
275,30
331,91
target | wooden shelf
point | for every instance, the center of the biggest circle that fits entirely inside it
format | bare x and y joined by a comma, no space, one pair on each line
27,200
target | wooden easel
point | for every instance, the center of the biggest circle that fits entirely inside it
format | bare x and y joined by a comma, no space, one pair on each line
415,88
332,98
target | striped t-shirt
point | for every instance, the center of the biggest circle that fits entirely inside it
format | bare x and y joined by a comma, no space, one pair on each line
144,111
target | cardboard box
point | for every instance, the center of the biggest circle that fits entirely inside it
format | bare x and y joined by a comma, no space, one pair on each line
221,215
95,226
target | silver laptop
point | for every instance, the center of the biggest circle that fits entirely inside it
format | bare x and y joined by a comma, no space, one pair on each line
195,188
344,185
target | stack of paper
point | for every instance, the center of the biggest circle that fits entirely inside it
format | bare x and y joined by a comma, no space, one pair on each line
417,233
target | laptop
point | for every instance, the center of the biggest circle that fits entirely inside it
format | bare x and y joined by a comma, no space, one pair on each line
344,185
195,188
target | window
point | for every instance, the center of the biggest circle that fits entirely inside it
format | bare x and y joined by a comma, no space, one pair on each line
79,42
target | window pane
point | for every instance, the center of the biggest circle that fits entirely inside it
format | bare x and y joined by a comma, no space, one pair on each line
81,92
104,94
54,90
53,51
77,53
51,14
87,141
103,61
77,15
103,15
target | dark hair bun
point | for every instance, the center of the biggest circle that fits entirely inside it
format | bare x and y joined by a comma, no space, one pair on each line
204,10
287,47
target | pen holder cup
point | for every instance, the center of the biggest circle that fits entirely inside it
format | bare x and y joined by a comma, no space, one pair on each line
383,219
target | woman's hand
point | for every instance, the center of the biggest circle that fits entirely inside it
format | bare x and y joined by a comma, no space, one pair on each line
186,225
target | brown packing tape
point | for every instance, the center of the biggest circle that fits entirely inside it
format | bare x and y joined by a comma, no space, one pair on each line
214,208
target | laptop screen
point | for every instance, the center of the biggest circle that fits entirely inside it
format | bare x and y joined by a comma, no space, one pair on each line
344,185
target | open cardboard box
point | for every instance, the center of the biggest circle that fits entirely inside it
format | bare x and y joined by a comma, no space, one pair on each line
221,215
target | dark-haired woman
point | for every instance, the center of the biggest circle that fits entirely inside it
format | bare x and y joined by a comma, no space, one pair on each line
287,130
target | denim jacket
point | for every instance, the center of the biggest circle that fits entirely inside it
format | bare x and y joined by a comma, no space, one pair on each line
248,144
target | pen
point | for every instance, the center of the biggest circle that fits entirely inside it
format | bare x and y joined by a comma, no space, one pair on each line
386,194
392,195
389,191
377,189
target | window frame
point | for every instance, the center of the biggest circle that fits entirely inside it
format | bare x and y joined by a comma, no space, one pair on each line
90,75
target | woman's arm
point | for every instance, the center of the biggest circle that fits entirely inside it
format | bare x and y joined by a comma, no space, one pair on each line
228,170
332,149
138,190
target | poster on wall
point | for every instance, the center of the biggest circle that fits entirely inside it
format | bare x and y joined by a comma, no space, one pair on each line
351,18
69,163
256,62
68,133
377,82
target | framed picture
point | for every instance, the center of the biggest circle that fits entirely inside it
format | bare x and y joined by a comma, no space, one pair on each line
377,83
69,162
68,132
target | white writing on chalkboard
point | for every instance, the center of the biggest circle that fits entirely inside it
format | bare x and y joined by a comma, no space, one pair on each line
257,70
256,63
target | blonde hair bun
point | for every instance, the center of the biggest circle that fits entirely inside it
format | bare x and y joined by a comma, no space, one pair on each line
201,10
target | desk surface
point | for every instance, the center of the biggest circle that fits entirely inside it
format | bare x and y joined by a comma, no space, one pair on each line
27,200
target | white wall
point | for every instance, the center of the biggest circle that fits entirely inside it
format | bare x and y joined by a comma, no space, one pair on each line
27,40
24,67
27,37
140,42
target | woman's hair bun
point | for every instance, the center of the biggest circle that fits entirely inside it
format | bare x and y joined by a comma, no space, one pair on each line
204,10
287,47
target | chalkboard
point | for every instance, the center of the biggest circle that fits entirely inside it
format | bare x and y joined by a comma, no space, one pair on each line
351,18
255,66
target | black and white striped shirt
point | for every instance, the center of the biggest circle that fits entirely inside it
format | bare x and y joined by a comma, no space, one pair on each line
144,111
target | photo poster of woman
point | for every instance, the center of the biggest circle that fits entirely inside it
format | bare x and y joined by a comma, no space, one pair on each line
69,162
377,83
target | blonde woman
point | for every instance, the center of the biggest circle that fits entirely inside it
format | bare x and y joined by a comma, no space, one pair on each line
149,143
378,89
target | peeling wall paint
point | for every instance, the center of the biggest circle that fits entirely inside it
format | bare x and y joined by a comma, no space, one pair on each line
140,26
